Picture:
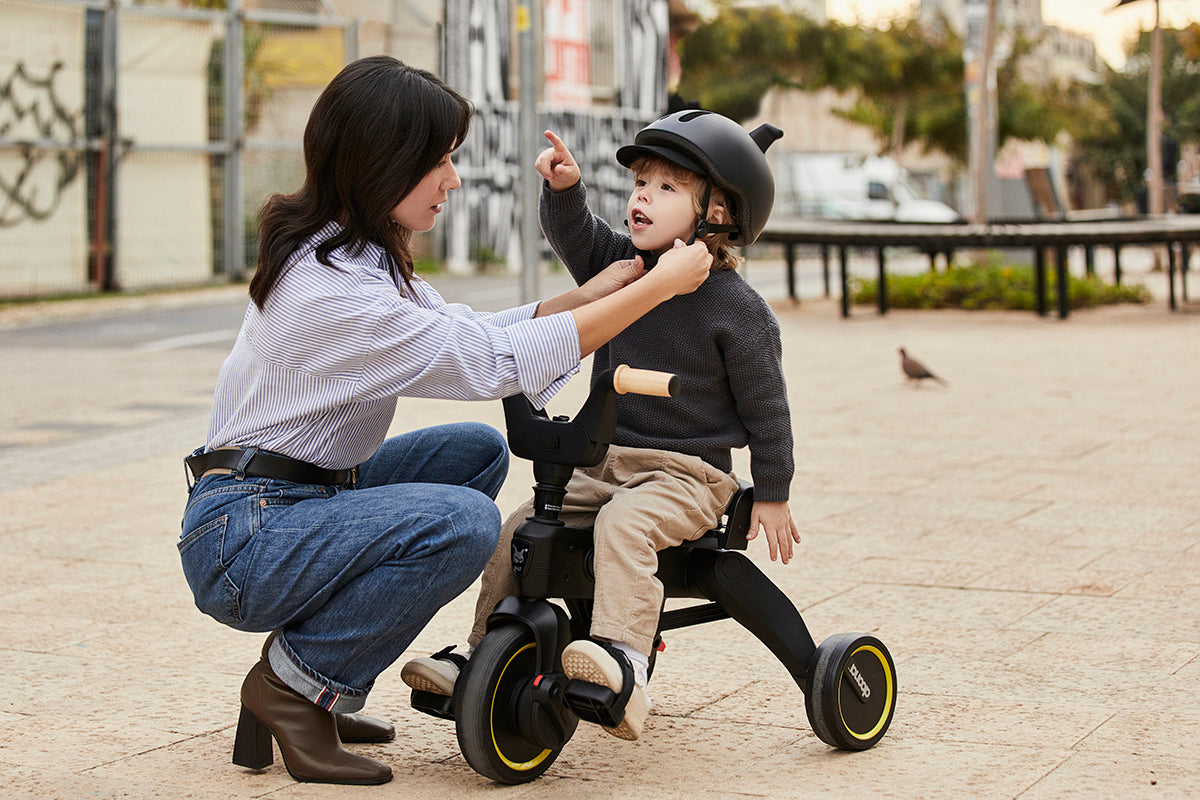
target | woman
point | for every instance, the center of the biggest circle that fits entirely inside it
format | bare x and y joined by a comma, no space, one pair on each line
303,520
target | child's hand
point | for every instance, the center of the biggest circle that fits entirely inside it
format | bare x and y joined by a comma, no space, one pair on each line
776,520
686,266
557,165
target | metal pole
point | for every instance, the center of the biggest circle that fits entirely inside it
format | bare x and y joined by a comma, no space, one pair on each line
1063,278
1171,302
527,128
105,263
234,260
1154,122
981,87
350,40
825,268
845,278
789,255
1039,280
883,295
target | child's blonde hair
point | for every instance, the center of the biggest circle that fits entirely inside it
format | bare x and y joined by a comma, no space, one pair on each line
719,211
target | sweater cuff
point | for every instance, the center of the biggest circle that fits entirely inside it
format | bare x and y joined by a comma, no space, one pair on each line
770,492
567,200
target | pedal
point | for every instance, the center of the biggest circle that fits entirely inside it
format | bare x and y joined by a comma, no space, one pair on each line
435,705
595,703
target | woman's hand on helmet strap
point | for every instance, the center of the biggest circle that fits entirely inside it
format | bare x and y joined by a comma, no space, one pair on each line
684,266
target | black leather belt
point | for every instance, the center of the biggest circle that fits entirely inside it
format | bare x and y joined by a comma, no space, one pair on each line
265,464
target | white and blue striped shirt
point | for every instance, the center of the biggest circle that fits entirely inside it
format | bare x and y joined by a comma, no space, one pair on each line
316,373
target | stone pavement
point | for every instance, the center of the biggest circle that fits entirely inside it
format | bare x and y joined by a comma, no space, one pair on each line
1025,541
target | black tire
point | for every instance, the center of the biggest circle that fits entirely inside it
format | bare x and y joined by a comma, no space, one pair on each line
852,691
496,679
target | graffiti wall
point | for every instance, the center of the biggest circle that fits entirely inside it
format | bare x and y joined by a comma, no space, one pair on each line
164,214
157,191
43,186
482,224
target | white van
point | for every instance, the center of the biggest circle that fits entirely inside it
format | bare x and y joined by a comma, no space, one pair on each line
852,186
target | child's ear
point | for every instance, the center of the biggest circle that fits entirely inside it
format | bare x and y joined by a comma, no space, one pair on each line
718,214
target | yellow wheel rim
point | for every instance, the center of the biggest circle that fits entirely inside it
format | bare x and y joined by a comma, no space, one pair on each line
519,766
889,694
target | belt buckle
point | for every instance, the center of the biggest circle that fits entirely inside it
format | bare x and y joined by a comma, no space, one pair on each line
189,473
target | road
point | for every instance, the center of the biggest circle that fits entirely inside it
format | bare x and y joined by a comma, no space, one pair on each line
88,380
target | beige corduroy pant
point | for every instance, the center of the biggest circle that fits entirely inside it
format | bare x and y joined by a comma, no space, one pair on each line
640,501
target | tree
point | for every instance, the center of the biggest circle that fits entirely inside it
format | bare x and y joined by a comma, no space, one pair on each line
908,79
1111,138
729,62
906,75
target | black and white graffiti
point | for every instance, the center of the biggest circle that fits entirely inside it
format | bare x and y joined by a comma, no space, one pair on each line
43,133
483,222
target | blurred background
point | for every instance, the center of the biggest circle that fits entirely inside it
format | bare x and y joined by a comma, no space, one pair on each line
139,139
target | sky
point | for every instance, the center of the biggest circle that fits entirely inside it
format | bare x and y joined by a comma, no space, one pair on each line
1110,29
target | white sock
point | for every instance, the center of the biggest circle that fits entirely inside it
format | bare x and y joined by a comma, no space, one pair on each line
641,664
463,650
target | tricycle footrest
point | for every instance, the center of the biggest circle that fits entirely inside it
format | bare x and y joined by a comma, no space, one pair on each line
435,705
595,703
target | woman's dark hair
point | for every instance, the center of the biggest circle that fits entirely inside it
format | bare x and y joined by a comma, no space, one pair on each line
378,128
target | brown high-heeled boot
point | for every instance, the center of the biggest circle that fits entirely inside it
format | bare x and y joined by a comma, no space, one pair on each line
352,728
306,733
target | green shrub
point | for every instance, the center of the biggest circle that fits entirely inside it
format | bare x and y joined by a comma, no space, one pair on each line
991,287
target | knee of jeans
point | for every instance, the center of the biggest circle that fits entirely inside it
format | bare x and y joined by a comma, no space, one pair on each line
478,526
491,441
486,435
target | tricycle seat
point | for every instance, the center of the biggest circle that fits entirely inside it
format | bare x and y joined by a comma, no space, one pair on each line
731,533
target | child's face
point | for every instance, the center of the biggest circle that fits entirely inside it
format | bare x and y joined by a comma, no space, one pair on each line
660,210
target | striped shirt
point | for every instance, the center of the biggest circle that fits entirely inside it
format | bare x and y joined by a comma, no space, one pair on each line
315,374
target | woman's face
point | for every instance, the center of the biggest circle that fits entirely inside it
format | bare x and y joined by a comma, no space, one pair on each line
420,207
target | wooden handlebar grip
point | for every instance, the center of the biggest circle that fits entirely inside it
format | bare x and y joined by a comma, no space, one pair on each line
627,380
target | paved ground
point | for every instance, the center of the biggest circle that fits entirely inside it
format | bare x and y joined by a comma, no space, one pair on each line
1026,541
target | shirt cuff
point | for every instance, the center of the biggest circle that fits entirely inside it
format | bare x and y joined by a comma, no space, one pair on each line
546,352
512,316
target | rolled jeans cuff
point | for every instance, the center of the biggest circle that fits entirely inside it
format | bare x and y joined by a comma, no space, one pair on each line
323,692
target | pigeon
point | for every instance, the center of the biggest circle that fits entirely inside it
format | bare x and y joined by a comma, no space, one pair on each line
915,371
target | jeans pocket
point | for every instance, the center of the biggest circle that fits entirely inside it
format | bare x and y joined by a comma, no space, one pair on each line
201,556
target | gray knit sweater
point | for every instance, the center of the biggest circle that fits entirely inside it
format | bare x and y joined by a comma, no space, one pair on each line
722,340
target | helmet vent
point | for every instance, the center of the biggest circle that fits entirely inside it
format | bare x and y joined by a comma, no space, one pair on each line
691,115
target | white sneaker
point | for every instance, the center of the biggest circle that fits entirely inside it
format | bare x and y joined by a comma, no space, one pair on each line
585,660
436,673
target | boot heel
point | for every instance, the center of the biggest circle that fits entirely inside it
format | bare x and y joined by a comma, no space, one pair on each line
252,743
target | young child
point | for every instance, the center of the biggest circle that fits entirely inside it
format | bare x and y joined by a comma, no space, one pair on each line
666,478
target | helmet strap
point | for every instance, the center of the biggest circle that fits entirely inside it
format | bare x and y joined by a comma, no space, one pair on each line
704,227
648,259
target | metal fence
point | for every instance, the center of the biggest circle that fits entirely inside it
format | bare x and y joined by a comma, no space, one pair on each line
131,135
139,138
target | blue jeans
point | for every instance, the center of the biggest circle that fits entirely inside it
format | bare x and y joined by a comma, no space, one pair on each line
348,574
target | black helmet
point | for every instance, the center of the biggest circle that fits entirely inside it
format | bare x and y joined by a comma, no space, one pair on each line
717,147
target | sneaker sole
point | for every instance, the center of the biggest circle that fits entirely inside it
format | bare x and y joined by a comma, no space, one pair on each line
424,678
579,664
